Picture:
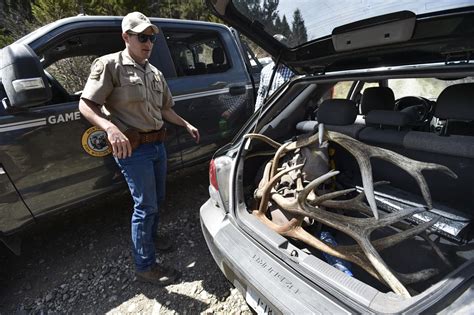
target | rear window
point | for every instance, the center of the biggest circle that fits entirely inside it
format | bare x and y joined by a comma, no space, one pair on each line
196,52
429,88
304,20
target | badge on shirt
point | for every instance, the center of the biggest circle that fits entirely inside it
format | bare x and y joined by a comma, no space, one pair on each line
157,85
97,70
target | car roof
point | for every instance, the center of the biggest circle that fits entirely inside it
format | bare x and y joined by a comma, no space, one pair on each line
100,21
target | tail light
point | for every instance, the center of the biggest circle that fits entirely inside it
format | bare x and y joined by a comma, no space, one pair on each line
219,179
213,175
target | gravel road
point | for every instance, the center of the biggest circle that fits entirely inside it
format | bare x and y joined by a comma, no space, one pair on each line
81,263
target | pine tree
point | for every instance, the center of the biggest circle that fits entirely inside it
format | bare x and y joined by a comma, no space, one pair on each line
299,33
194,10
269,15
278,25
250,8
285,27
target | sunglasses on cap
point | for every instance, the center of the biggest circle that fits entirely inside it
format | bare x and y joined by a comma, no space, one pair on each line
143,38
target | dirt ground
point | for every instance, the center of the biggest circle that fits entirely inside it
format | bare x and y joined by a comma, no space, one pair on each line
80,262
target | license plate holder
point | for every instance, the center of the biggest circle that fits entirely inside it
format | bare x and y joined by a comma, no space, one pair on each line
257,303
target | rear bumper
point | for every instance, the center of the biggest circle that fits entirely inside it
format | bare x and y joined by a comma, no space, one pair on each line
257,273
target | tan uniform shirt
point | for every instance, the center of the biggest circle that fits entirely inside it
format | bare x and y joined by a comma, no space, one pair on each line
134,95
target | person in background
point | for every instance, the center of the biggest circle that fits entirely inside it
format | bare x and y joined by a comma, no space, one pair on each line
282,74
138,99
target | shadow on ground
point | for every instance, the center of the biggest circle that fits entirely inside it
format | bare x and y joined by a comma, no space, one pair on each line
80,262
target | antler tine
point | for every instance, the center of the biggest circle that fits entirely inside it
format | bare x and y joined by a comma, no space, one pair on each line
437,250
409,278
379,264
362,153
356,203
263,138
413,168
265,178
395,217
276,160
329,196
357,149
268,186
388,241
315,183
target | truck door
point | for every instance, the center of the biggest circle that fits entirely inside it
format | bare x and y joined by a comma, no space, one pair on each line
54,157
212,89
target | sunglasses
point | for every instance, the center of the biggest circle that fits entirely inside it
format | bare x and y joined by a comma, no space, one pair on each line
143,38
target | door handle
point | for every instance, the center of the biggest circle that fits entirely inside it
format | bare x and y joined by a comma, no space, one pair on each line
219,84
237,90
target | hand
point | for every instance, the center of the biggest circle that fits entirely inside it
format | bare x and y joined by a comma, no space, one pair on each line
121,147
193,132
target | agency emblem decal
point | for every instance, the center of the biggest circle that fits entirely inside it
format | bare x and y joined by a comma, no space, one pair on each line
94,142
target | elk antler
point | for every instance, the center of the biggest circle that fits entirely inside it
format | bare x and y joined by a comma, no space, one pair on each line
301,205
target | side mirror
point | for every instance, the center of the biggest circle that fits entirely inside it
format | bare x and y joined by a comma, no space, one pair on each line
23,77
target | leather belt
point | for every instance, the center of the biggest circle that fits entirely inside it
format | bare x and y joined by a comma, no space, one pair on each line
137,138
153,136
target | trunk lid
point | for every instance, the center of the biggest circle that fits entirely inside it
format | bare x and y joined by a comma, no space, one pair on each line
334,36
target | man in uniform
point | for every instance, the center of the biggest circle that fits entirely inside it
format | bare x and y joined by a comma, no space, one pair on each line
138,99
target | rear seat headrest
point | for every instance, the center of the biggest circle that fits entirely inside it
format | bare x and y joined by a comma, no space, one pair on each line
218,55
456,102
337,112
377,98
388,118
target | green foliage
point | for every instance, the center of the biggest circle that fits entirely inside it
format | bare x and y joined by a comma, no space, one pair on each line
299,35
119,7
250,8
194,10
266,12
285,27
269,15
5,39
185,9
47,11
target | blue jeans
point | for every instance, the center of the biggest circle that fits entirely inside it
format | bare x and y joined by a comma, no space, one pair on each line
145,173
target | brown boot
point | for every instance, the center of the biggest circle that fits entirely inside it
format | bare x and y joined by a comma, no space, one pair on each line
159,275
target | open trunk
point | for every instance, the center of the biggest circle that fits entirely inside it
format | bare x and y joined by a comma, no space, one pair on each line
446,248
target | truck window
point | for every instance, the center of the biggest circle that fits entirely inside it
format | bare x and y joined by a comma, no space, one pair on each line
71,73
196,52
67,61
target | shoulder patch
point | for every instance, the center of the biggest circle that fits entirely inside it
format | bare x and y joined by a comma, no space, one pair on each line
97,69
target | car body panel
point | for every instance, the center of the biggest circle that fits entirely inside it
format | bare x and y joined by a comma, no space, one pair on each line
251,268
16,213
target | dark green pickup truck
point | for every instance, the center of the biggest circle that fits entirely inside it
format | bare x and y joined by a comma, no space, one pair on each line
52,159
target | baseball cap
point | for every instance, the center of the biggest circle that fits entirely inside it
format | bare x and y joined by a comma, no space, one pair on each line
137,22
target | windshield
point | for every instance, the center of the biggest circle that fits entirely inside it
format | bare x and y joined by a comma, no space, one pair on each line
304,20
